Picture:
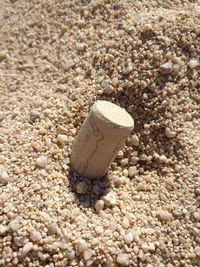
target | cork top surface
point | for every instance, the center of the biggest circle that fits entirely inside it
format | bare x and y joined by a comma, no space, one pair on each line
113,114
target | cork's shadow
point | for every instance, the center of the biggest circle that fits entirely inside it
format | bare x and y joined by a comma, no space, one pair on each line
87,191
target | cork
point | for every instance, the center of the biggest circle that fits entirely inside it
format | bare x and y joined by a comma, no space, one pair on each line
101,136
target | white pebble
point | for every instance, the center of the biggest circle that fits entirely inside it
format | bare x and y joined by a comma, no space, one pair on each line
128,237
4,178
99,205
82,246
62,139
132,171
110,199
41,162
193,64
35,236
26,248
165,215
135,140
87,254
123,259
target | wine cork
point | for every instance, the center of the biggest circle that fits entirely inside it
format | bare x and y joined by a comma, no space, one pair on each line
101,136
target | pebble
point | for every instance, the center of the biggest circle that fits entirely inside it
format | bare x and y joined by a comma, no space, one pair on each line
197,251
152,247
169,133
128,237
2,116
87,254
108,90
3,55
62,130
70,254
35,236
193,64
68,64
41,162
81,188
2,159
105,84
4,177
146,28
36,147
135,140
123,259
27,248
166,68
132,171
99,205
82,246
62,139
34,116
52,229
3,230
110,199
165,215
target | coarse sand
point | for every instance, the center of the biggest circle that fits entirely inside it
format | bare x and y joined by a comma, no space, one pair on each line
56,59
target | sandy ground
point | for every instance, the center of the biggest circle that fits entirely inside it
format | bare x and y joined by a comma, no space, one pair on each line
56,59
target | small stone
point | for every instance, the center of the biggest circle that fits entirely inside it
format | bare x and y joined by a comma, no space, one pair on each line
165,215
2,159
108,90
125,223
68,64
62,130
142,186
110,199
26,248
128,237
4,178
193,64
124,162
70,254
82,246
52,228
3,230
20,240
163,159
34,116
104,84
35,236
14,225
123,259
36,147
82,188
169,134
41,162
166,68
134,140
146,28
99,205
132,171
2,116
3,55
197,251
62,139
152,247
87,254
99,230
